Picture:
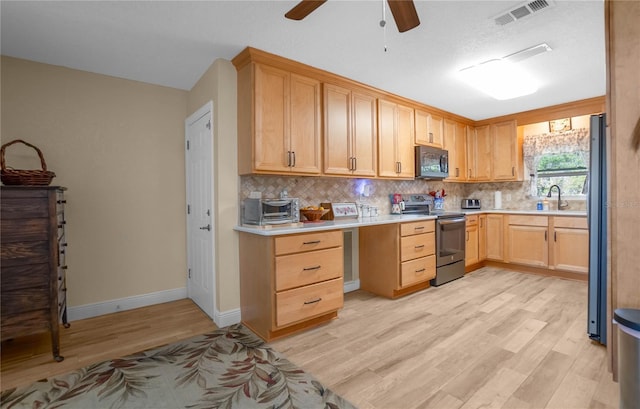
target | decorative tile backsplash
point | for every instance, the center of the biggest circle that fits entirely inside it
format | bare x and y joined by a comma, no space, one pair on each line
313,190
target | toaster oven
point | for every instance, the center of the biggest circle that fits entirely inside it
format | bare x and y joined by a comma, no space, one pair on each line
263,212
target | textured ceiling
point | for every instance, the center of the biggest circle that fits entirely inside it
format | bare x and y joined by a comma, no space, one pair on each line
172,43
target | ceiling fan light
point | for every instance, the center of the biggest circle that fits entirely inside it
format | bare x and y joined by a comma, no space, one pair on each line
499,79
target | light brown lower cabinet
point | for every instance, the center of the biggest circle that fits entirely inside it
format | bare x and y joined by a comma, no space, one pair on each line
482,237
495,237
554,242
290,282
397,259
471,251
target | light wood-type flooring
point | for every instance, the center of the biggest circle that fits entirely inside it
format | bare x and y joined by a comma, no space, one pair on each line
494,338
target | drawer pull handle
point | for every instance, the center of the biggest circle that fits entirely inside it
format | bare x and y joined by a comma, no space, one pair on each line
311,268
311,242
313,301
418,228
420,246
62,201
421,270
63,267
62,224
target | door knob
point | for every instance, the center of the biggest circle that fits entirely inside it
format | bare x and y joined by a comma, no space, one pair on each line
207,227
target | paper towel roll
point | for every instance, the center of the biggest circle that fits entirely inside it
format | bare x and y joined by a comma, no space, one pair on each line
497,200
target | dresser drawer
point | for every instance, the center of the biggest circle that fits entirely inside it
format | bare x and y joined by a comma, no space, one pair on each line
24,208
425,226
24,276
30,252
306,242
25,323
14,230
296,270
25,299
307,302
418,270
420,245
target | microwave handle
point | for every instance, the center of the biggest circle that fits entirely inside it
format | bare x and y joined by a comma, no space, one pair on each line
444,163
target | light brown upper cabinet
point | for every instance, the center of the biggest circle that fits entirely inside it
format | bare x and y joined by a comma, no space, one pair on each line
395,140
278,121
428,129
505,158
455,136
479,154
350,132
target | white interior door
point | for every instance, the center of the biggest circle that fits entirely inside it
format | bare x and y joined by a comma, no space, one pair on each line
200,215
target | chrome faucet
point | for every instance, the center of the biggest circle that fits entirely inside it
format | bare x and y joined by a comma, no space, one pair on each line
560,205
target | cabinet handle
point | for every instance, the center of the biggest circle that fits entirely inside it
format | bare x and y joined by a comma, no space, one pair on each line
467,236
62,201
64,267
355,163
419,246
62,223
430,137
311,242
554,236
313,301
288,158
64,244
311,268
418,228
545,236
513,170
293,164
457,172
469,173
421,270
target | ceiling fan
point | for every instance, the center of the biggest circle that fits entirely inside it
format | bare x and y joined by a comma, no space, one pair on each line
404,12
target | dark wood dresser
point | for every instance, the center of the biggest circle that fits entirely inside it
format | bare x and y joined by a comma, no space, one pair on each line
33,249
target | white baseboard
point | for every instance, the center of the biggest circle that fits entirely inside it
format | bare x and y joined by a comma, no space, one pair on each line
226,318
351,286
122,304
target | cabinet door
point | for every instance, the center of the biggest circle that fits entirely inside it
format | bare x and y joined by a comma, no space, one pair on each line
365,134
471,246
529,245
479,154
571,250
454,143
428,129
271,137
405,148
482,237
505,150
387,163
337,130
495,241
305,124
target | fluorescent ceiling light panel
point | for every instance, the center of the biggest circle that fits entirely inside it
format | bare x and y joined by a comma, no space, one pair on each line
503,78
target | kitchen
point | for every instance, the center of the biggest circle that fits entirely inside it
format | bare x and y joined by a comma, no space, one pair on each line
227,293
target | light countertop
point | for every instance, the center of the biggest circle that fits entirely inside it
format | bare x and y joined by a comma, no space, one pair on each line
306,227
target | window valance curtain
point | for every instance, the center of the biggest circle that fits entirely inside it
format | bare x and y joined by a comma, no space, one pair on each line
536,146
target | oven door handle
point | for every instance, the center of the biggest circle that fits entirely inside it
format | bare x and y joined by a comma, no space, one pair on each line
451,221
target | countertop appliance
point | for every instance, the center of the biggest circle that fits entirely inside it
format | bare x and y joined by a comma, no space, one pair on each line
431,163
597,219
470,204
263,212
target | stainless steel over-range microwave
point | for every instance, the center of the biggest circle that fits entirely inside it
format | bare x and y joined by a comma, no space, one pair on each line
431,163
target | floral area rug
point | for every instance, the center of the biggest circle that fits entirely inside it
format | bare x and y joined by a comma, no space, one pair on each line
228,368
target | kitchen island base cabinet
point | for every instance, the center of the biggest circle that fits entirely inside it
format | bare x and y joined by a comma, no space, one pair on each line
290,282
397,259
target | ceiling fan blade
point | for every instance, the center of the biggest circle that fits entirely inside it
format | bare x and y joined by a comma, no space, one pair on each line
303,9
405,14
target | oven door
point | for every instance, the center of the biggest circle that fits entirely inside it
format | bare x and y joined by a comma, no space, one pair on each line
450,237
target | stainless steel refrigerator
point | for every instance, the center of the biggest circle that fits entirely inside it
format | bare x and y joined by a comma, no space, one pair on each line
597,216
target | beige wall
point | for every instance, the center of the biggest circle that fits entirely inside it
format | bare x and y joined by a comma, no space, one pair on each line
117,145
218,84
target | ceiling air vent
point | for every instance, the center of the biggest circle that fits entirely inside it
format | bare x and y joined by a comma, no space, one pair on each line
522,10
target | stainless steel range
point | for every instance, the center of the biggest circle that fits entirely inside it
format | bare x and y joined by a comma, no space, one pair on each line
450,236
450,247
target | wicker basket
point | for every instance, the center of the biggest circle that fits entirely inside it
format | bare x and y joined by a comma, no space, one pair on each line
10,176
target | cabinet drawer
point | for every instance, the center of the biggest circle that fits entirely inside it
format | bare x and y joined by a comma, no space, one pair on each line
307,242
472,220
24,208
418,270
25,323
570,222
420,245
296,270
307,302
425,226
525,220
24,276
25,299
